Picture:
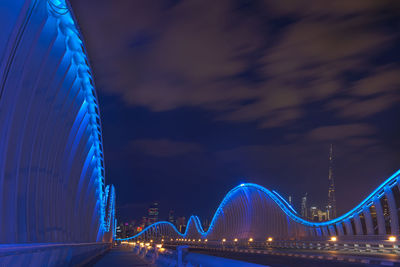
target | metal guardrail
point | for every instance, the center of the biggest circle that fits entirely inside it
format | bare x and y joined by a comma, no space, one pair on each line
366,246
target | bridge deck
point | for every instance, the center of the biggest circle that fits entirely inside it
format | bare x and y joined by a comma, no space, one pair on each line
121,256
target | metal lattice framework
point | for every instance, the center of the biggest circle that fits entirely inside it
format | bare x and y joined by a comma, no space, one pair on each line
252,211
52,183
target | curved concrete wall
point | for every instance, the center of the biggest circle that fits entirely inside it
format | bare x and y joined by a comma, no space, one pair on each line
52,186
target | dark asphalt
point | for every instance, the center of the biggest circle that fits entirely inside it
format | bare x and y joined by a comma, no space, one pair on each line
120,256
291,261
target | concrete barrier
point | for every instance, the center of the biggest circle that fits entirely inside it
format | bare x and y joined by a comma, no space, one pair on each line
74,254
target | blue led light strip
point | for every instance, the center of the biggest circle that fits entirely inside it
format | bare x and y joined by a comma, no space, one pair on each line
280,201
284,201
61,11
110,203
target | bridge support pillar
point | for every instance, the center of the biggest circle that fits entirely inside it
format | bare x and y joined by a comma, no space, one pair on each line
325,231
379,217
349,229
357,223
394,221
368,221
340,229
332,230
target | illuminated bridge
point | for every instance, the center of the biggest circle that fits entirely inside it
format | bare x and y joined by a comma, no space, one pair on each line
56,209
251,216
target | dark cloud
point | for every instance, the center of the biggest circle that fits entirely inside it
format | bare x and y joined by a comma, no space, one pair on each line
365,108
191,53
339,132
317,8
382,80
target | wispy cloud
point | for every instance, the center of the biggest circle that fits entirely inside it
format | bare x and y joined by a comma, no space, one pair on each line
339,132
195,54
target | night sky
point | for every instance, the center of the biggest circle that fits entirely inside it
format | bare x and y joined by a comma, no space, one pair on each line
197,97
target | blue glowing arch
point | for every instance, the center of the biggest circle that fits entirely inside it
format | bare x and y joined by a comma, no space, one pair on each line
302,228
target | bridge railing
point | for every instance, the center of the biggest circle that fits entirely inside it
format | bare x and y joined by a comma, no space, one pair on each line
377,246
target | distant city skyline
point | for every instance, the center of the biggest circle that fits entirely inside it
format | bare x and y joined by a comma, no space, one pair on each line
307,210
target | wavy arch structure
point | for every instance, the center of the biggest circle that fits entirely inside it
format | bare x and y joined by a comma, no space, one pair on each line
52,185
252,211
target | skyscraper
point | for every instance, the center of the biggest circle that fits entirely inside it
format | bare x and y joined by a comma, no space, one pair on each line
317,215
145,222
153,213
304,212
181,224
314,214
331,208
171,217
